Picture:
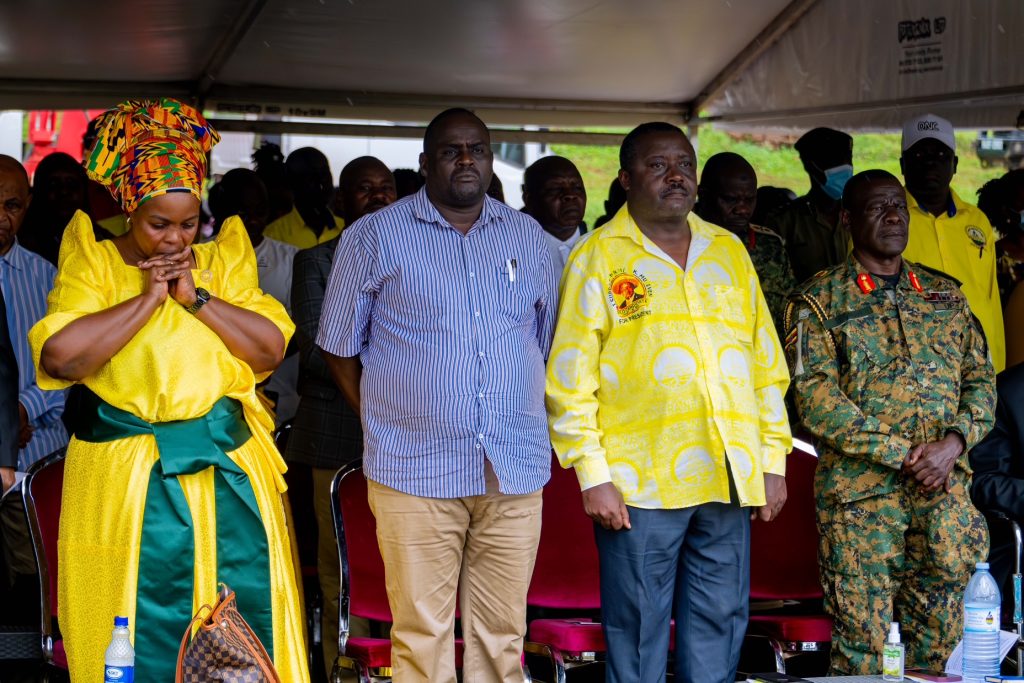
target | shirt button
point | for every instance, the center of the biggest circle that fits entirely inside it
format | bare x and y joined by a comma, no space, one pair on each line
472,274
479,395
481,354
480,436
476,313
478,446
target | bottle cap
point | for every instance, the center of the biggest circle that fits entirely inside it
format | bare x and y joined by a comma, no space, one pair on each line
894,632
981,565
120,621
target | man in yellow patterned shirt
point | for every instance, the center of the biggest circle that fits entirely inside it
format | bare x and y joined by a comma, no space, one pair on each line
665,392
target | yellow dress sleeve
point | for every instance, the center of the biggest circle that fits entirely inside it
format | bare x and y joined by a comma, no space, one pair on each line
236,259
82,286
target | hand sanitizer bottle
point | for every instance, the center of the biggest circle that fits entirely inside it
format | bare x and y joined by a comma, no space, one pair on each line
892,655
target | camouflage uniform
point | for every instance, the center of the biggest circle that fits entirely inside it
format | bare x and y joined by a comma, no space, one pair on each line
811,241
877,370
768,254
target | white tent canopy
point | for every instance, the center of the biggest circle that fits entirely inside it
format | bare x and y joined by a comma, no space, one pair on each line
555,63
874,64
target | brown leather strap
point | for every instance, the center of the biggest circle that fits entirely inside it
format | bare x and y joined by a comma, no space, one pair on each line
186,638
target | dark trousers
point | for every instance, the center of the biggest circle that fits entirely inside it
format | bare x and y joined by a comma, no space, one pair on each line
692,565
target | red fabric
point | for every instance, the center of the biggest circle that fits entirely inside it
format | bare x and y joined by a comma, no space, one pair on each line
566,572
45,488
376,652
60,657
800,628
576,635
369,596
373,652
568,635
784,552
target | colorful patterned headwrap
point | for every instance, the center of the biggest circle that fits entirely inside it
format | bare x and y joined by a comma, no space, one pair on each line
146,148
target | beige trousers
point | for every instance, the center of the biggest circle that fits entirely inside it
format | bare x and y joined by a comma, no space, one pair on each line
481,547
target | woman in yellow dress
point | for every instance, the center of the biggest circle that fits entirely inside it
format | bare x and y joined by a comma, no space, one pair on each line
172,483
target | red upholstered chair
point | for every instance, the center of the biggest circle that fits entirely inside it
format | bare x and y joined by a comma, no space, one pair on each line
42,491
566,577
363,591
784,566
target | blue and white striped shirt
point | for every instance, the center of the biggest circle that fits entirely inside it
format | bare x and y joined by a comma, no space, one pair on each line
26,280
452,331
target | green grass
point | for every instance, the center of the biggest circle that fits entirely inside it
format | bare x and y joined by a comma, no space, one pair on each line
776,165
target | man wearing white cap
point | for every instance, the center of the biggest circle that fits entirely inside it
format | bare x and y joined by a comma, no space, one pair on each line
947,233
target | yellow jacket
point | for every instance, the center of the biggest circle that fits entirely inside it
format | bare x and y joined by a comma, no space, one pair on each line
962,245
658,376
291,229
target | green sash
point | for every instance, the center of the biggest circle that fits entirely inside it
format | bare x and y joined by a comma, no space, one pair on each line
163,605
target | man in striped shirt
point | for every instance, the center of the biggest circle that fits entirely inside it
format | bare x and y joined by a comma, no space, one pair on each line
25,280
436,324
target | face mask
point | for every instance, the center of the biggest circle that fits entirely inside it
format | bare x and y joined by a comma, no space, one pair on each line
836,179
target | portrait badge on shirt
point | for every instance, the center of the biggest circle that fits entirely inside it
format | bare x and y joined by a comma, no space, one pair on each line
630,294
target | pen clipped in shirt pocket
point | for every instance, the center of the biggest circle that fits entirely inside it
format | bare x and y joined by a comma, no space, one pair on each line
508,274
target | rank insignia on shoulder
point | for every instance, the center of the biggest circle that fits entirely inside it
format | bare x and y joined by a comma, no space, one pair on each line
914,282
866,284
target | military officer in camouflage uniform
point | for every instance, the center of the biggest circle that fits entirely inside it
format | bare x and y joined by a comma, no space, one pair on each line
892,377
727,196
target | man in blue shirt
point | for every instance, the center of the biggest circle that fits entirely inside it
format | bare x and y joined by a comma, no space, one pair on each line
436,324
25,281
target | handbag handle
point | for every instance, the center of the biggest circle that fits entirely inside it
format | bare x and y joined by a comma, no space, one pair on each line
200,617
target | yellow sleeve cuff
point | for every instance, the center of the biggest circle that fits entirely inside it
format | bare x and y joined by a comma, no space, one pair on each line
592,471
773,461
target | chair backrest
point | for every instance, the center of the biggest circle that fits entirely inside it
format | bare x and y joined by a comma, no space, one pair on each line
363,591
784,552
42,491
566,575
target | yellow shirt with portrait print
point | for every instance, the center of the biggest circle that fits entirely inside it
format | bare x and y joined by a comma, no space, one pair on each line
962,244
661,378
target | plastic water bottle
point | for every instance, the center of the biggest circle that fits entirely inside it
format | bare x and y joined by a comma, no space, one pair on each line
981,626
120,659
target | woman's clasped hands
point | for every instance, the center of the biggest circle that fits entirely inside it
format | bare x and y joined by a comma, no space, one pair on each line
170,275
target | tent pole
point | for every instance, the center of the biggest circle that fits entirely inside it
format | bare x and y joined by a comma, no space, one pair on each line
692,132
757,47
413,132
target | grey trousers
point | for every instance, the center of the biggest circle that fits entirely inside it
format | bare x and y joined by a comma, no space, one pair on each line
692,565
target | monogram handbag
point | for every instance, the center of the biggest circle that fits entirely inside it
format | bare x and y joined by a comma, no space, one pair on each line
224,647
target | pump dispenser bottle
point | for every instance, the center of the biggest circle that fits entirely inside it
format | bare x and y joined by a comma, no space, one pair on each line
892,655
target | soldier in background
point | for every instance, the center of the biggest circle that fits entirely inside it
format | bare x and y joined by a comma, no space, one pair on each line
810,225
727,197
892,376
